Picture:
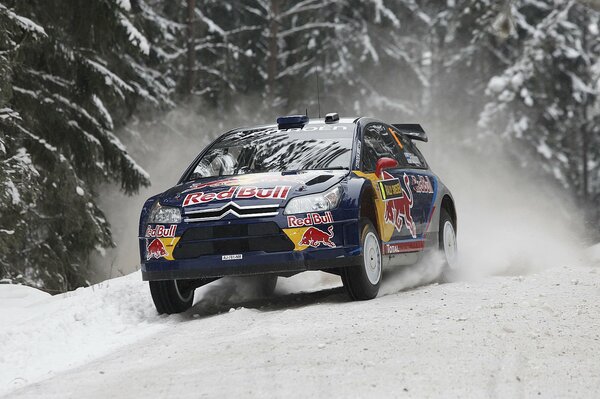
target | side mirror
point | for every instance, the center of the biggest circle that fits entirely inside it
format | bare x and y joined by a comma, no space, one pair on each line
384,163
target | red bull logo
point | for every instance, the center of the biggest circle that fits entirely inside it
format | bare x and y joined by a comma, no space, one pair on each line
161,231
398,210
422,184
156,250
277,192
314,237
309,220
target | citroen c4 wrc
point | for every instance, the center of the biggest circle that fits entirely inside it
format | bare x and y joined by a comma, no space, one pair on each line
346,196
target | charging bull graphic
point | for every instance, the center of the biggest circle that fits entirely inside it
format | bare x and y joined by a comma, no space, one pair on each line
156,249
397,210
314,237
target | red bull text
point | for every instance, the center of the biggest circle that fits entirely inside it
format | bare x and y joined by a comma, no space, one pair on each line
277,192
160,230
310,220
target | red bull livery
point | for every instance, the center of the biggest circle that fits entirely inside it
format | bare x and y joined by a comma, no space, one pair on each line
350,197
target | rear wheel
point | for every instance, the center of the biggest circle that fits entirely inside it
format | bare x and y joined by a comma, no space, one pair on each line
172,296
362,281
448,247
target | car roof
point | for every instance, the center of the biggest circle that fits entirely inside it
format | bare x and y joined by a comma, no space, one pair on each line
311,123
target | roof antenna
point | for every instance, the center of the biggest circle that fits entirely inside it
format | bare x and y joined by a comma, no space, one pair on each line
318,97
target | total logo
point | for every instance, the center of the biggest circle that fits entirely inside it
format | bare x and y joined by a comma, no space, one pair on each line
277,192
310,220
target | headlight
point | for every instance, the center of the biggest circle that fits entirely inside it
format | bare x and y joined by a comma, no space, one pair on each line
315,203
164,214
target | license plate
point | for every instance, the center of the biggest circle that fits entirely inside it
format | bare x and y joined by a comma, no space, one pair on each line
231,257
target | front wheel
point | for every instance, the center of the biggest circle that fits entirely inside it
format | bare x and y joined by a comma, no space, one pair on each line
172,296
362,281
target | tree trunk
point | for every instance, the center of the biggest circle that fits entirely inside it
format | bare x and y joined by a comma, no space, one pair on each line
191,53
273,48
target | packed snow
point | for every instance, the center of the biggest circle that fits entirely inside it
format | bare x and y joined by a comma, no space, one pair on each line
502,336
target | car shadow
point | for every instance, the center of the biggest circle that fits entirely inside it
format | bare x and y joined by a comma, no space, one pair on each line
221,298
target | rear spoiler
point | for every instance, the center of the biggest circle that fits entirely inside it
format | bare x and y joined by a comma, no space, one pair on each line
414,131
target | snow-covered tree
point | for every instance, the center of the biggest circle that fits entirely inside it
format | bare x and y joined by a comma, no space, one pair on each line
75,74
546,101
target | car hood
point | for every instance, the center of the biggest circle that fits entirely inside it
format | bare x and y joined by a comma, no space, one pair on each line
250,189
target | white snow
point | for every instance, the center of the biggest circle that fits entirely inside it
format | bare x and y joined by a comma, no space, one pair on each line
497,84
103,111
41,335
24,23
124,4
527,336
135,36
543,149
13,192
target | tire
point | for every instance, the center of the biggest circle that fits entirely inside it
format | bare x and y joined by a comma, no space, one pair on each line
448,247
172,296
362,282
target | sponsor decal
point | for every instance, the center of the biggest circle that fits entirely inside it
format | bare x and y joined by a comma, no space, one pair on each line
358,149
155,249
401,247
310,219
314,237
412,158
390,189
309,128
242,192
232,257
160,230
421,184
216,183
398,209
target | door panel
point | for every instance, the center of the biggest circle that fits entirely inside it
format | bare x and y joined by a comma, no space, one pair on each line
405,196
408,198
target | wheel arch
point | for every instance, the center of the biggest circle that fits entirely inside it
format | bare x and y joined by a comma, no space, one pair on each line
366,206
448,204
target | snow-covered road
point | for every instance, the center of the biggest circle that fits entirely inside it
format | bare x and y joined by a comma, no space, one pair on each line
506,336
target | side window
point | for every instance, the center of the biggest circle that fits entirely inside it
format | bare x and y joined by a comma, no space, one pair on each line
378,142
411,153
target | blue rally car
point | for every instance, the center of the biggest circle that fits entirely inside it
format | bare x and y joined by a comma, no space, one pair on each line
345,196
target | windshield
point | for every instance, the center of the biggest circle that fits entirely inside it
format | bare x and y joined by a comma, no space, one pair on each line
275,151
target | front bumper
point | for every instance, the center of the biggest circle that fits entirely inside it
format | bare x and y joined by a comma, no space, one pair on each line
346,252
251,263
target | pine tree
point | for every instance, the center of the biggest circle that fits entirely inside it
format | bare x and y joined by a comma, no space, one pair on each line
77,74
546,101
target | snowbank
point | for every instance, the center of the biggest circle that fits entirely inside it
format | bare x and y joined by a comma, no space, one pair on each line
42,334
504,336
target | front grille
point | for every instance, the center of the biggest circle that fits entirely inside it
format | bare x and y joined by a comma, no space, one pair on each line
232,208
231,239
